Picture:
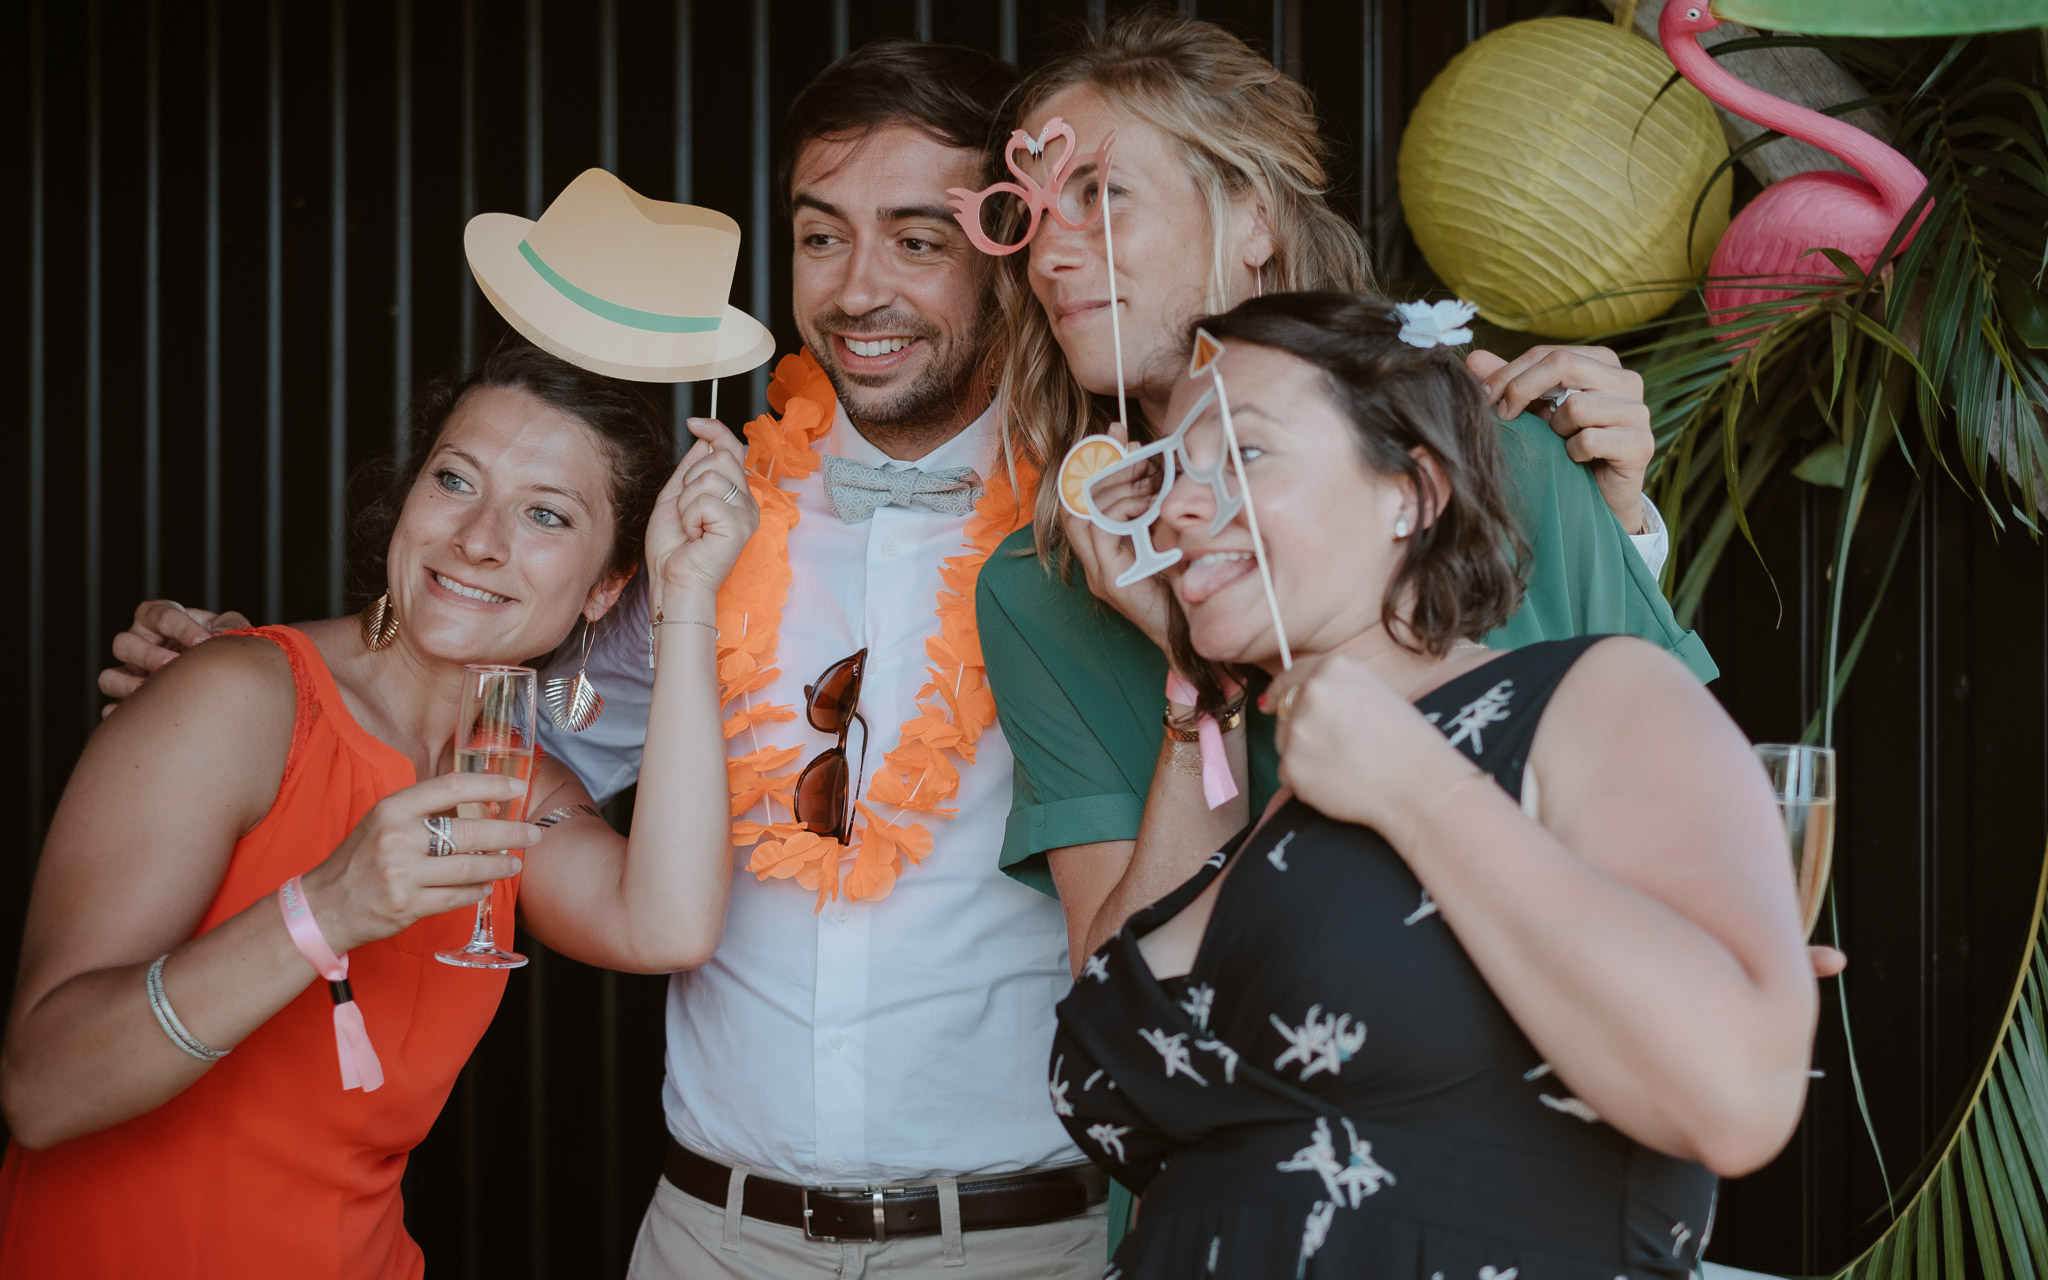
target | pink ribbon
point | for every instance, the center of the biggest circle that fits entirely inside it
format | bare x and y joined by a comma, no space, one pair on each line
359,1066
1218,786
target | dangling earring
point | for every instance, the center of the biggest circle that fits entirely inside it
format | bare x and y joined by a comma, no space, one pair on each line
380,623
1401,527
573,702
1259,281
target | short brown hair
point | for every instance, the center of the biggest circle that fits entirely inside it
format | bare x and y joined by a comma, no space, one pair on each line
948,92
1458,578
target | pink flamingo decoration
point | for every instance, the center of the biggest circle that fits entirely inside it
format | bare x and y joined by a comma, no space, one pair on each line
1773,235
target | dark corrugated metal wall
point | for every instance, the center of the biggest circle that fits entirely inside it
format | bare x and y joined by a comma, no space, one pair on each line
236,230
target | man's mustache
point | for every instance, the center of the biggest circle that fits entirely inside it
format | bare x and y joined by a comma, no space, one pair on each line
882,324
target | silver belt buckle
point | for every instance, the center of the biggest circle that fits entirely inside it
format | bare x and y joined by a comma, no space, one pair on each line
807,1221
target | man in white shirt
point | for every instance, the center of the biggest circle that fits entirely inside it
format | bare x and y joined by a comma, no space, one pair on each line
898,1042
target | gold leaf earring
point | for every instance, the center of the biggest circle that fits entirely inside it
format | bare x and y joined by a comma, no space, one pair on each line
380,623
573,702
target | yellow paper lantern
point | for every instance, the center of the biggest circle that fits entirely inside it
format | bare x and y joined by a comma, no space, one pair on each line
1547,182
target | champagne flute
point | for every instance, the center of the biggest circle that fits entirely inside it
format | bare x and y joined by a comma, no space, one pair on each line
1803,784
493,734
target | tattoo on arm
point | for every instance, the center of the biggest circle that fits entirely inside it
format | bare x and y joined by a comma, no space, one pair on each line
567,811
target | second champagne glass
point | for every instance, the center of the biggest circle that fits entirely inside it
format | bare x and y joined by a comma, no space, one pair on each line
493,734
1803,784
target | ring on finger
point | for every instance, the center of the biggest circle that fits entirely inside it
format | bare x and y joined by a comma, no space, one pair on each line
1559,396
1287,701
440,836
731,493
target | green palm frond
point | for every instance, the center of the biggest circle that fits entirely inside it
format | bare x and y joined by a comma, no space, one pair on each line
1982,1194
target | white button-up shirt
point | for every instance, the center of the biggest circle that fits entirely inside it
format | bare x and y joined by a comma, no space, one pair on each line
904,1038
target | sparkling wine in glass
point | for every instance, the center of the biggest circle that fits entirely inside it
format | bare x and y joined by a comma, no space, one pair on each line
493,734
1803,784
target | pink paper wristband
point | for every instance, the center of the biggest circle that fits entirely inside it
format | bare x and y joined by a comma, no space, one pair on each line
359,1066
1218,786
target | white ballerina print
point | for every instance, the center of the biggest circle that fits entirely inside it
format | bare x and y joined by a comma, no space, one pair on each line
1314,1233
1277,855
1224,1052
1060,1105
1110,1137
1570,1106
1488,708
1174,1050
1428,908
1320,1043
1347,1183
1201,998
1097,968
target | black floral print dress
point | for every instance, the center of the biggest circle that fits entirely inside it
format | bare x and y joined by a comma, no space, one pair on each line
1333,1090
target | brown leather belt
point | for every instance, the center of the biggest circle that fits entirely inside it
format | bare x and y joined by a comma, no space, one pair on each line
876,1213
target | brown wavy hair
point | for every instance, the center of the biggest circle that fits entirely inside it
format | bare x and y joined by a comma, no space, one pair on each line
1459,573
1245,130
631,428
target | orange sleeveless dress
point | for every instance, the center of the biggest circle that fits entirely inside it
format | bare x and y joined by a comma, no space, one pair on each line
266,1167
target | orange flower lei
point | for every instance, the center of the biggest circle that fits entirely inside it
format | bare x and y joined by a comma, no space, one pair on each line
954,707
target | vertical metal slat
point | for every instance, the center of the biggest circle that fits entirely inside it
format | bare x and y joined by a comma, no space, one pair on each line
38,539
757,381
337,301
467,291
211,411
1006,36
152,312
842,28
401,239
95,402
273,330
922,19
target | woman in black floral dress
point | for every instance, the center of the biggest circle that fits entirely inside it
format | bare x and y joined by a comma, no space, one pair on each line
1500,1001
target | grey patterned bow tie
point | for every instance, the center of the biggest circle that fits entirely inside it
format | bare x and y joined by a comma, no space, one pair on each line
857,491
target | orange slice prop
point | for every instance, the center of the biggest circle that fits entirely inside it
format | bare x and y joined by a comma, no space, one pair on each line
1090,455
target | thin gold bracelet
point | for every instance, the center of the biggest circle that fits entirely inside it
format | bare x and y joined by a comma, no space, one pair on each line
1230,720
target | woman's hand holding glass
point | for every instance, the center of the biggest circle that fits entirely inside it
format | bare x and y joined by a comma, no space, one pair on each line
383,878
1103,555
704,516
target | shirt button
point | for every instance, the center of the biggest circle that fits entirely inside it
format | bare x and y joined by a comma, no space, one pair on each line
889,547
842,913
836,1040
839,1164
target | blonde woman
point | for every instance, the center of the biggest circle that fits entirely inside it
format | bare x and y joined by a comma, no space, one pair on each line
1216,194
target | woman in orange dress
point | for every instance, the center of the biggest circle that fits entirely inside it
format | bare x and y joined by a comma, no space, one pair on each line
183,1116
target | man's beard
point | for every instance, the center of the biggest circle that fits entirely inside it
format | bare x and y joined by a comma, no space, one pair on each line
934,397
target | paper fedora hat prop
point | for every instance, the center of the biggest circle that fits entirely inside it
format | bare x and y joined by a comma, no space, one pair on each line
620,284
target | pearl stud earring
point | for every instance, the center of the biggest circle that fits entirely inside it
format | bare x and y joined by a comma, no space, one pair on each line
1401,527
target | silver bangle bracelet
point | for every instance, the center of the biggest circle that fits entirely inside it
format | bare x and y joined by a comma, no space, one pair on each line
160,1005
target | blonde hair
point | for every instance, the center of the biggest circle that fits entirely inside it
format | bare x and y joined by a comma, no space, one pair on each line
1243,129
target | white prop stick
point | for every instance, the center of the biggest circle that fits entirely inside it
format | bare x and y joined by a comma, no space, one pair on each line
1251,516
1116,329
714,397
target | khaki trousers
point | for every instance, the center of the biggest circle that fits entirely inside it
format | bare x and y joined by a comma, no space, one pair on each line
683,1238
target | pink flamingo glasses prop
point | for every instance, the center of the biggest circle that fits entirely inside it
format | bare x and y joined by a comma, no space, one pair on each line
1038,200
1794,216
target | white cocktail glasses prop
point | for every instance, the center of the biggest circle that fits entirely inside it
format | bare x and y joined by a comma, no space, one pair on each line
493,734
1803,784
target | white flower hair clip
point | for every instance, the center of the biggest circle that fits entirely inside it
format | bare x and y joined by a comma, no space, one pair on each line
1435,324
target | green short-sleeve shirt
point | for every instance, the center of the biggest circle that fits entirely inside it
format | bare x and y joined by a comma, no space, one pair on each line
1079,690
